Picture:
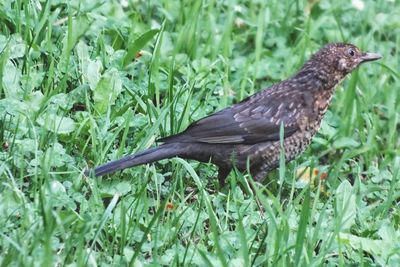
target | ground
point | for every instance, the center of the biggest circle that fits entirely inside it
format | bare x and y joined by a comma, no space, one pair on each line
86,82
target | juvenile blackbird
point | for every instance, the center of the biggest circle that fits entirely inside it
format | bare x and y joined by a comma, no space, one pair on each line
250,130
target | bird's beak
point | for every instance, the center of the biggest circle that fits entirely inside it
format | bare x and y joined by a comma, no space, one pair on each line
370,57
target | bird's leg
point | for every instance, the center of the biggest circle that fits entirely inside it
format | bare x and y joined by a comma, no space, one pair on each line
258,175
258,202
222,174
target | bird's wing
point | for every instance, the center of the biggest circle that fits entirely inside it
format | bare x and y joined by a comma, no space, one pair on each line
256,119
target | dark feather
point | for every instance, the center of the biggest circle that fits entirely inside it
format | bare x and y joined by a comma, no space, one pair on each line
257,119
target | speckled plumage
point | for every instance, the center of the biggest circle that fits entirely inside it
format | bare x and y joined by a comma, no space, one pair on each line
250,130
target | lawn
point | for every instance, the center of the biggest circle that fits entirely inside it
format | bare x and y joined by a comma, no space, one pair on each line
86,82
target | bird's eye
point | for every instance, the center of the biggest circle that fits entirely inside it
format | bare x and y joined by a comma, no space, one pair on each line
351,52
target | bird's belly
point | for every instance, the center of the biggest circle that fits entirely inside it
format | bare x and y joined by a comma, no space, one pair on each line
262,157
265,157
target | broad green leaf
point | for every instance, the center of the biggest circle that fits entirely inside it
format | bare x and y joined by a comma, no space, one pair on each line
62,101
26,145
345,142
138,44
83,53
385,251
237,262
327,130
17,46
107,90
56,156
79,26
56,124
346,205
91,69
57,188
34,101
112,187
3,42
11,81
93,73
371,246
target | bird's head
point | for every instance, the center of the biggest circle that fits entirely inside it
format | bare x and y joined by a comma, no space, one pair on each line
343,58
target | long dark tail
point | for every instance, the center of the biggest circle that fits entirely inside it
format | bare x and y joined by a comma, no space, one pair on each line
150,155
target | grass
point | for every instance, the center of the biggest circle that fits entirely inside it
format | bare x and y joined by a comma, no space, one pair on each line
87,82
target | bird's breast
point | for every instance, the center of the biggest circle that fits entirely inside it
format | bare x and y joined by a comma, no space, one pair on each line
322,101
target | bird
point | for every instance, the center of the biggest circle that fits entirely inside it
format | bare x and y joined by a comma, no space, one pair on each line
247,135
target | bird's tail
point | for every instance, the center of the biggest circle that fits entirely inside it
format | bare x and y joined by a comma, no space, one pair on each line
148,156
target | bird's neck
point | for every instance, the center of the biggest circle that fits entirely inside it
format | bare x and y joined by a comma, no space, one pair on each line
318,77
321,81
